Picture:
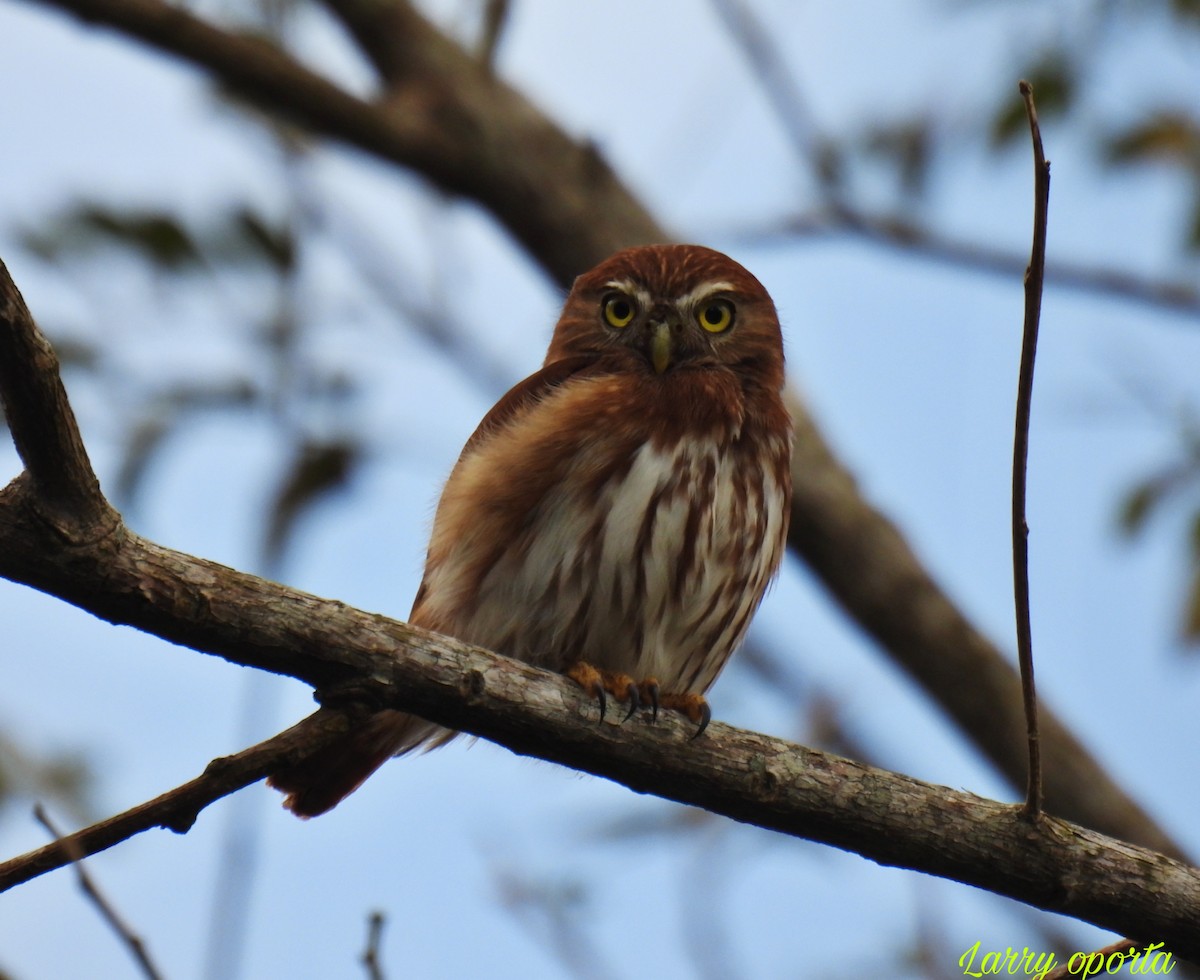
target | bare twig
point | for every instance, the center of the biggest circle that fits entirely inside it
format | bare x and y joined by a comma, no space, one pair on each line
1034,277
131,941
900,604
779,85
177,809
1069,969
915,238
495,18
371,959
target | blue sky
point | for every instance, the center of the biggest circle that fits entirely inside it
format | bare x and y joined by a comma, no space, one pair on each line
910,366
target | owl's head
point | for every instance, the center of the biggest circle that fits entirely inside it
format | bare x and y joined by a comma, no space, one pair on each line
665,308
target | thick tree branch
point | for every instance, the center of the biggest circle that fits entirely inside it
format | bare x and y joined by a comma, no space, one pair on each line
356,658
450,120
40,419
460,127
748,777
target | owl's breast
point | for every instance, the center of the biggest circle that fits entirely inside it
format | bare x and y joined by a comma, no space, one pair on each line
636,553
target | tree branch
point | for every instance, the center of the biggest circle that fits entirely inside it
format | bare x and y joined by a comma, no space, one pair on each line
752,778
357,658
1034,276
40,419
449,120
129,939
460,127
177,809
913,238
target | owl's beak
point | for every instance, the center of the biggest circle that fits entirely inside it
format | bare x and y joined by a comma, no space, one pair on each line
660,345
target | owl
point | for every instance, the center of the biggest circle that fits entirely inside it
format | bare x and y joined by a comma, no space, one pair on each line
618,515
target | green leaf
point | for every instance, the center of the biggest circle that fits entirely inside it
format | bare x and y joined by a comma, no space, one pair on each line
1140,502
1053,77
317,470
1168,135
1190,631
1186,10
162,418
908,145
158,236
88,226
1192,241
277,244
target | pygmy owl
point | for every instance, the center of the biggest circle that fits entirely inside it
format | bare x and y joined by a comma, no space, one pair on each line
618,515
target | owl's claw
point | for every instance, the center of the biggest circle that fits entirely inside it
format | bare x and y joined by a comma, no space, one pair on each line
600,683
635,702
649,690
692,705
592,682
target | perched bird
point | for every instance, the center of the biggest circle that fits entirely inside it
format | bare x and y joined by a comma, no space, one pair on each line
618,515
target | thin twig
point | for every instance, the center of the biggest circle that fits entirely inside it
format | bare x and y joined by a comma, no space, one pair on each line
1034,278
128,937
910,237
370,957
778,82
177,809
1065,970
495,19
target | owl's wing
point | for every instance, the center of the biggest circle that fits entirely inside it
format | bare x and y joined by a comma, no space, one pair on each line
525,394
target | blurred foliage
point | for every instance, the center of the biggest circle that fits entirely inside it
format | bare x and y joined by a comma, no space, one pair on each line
234,238
908,146
1170,137
158,237
1177,483
1163,132
64,778
316,470
238,238
1055,85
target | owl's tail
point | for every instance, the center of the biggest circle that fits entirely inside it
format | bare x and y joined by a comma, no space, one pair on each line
328,776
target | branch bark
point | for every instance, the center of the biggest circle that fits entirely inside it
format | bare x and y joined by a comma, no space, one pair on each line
449,119
357,657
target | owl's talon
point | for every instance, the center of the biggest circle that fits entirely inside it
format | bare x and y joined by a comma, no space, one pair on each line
693,706
593,683
601,683
635,702
648,689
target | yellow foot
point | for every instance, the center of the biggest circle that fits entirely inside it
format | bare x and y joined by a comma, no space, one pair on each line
692,705
625,690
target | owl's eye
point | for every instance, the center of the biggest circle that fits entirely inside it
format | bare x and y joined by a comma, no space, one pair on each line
716,316
618,310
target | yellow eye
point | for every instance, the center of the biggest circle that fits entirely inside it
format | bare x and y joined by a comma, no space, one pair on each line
716,316
618,310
